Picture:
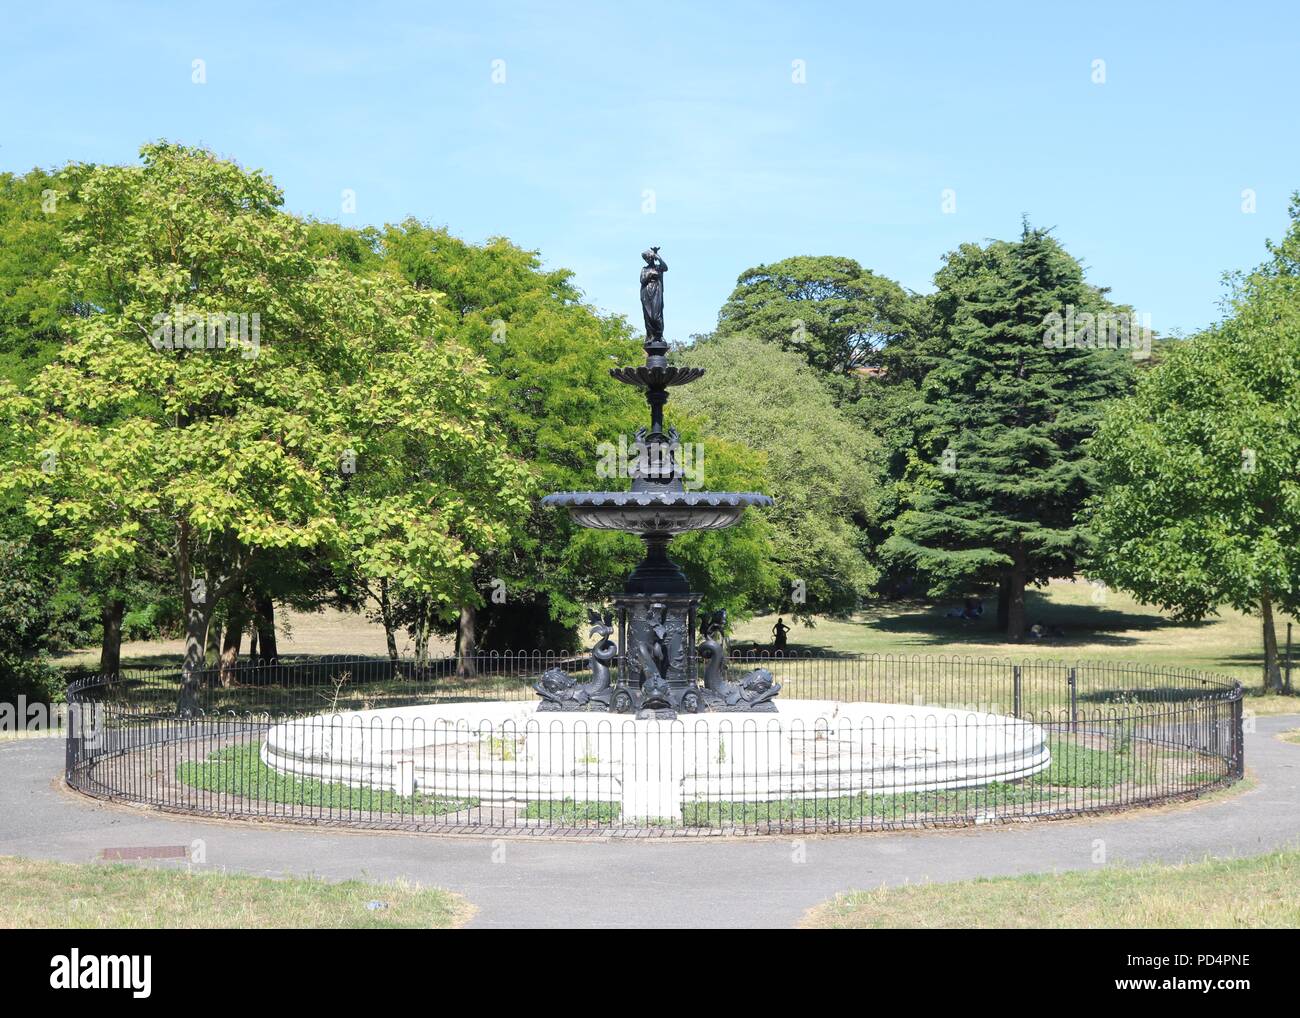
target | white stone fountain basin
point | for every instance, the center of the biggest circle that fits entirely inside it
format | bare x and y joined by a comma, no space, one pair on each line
510,754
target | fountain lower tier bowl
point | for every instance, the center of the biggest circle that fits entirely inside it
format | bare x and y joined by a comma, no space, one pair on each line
656,512
508,754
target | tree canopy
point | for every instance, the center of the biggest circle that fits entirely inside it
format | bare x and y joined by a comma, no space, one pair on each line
1200,498
820,465
205,410
1001,468
836,314
211,406
35,209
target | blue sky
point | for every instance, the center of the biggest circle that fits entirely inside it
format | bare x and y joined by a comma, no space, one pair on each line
1141,176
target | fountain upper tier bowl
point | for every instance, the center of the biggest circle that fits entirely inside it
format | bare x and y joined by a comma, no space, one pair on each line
656,512
657,376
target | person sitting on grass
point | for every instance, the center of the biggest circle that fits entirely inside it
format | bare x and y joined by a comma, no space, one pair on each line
972,610
1040,631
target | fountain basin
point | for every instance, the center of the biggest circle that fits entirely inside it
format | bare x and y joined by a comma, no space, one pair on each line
510,754
656,512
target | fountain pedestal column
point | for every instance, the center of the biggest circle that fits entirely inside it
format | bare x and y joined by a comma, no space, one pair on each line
644,619
657,609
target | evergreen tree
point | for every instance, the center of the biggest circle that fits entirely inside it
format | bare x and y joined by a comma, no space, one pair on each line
1002,467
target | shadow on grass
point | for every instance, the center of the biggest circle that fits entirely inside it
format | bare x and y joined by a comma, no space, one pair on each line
927,623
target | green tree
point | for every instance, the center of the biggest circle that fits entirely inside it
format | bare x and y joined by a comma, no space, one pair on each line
831,310
821,466
551,396
35,210
1200,504
26,618
1002,468
166,428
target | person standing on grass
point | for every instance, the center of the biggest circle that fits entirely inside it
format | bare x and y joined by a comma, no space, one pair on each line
778,635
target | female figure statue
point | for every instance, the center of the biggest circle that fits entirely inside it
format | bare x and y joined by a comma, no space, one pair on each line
652,294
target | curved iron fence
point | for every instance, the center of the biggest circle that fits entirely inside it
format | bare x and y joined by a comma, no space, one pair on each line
857,743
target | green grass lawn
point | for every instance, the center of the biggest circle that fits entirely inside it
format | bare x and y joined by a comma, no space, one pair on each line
573,813
1080,776
1263,891
1117,629
37,894
238,770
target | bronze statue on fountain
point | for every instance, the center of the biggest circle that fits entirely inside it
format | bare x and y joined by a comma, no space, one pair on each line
754,691
560,691
657,609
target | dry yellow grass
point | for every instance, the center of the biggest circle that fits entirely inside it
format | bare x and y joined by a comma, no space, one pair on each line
1253,893
1098,626
36,894
325,632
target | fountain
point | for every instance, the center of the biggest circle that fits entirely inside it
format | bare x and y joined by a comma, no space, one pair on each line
643,734
657,609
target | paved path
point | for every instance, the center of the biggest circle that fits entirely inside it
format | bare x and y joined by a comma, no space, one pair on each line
707,882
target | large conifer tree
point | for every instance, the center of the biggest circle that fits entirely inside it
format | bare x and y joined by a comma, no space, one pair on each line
1002,466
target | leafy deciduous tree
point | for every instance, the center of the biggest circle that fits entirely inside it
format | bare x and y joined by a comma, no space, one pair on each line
831,310
1200,468
820,465
221,453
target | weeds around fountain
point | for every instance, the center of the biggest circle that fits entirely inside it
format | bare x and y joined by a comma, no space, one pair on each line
239,771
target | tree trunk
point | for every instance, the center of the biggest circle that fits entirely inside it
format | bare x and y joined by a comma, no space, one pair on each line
266,628
422,640
195,604
465,642
1272,670
197,616
230,646
1004,603
1016,596
110,650
386,616
212,644
198,601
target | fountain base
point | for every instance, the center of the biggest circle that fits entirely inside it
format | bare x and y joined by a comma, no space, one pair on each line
506,754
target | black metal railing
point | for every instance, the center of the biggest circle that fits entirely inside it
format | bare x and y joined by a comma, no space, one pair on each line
458,745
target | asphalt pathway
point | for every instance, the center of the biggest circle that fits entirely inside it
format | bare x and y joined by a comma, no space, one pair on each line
705,882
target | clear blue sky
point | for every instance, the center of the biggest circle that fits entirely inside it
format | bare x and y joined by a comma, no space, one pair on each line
1141,176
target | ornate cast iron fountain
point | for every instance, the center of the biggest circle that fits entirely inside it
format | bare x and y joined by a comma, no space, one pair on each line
657,609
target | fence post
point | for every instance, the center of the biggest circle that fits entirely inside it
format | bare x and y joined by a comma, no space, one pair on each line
1288,657
1239,734
1073,680
69,752
1015,679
